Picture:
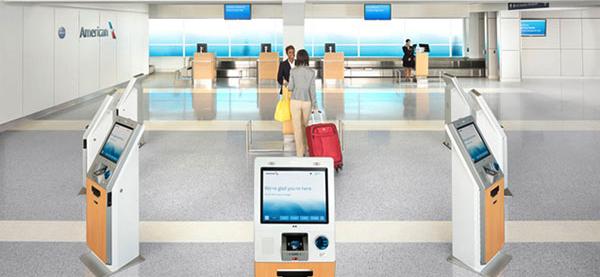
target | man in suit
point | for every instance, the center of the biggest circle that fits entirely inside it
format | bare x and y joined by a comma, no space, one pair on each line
283,75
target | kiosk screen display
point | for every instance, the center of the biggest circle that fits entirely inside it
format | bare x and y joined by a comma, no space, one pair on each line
114,145
378,12
473,142
237,11
294,195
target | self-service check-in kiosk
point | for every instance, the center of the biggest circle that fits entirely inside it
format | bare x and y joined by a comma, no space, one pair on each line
478,231
112,201
459,104
294,217
128,105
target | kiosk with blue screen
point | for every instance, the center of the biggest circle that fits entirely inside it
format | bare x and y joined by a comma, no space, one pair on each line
128,105
478,230
112,201
294,225
460,103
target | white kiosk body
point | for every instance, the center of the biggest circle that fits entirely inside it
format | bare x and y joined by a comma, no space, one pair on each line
478,230
294,217
459,104
112,205
128,105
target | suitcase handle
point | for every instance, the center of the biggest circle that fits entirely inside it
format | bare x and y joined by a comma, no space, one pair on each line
312,117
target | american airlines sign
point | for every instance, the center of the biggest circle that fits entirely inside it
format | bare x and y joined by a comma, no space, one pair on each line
92,33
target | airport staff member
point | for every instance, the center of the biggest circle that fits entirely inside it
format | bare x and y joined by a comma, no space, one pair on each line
303,99
408,61
283,75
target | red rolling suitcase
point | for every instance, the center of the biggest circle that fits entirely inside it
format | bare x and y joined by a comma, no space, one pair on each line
323,141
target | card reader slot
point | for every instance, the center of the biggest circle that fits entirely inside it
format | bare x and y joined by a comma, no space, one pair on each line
294,273
96,192
494,191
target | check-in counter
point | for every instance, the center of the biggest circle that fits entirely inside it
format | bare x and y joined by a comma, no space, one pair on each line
204,67
333,68
422,65
268,66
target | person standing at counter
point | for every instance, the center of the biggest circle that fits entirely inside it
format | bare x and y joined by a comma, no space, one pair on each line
303,99
283,75
408,61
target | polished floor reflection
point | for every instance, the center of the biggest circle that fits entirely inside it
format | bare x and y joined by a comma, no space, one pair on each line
362,99
392,198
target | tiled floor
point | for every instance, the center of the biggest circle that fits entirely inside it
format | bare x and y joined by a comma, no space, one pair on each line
194,168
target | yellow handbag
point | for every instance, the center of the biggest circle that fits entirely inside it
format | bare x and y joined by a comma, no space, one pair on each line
283,112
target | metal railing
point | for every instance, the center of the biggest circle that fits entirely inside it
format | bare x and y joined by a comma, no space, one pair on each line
274,146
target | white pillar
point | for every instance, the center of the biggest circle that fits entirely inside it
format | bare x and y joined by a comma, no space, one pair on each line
509,45
473,29
293,23
491,46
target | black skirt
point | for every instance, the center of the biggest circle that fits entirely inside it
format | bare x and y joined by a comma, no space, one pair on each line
407,63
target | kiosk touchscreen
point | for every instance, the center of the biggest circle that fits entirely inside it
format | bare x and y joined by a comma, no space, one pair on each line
478,231
112,205
294,217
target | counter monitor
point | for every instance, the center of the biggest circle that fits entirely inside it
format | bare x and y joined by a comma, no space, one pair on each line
294,195
238,11
378,12
533,28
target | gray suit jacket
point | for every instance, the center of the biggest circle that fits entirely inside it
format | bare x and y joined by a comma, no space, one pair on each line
302,85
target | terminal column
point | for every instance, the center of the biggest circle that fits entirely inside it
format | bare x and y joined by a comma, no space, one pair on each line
491,46
293,23
509,45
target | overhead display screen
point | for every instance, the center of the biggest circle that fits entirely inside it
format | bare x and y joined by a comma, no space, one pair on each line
378,11
473,142
533,27
114,145
294,195
238,11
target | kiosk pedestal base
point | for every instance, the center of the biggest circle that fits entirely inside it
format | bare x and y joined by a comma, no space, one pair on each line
99,269
494,268
318,269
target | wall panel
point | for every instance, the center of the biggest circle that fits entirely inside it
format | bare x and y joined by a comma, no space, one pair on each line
124,68
108,50
11,63
38,59
89,54
571,62
570,34
66,55
590,34
541,62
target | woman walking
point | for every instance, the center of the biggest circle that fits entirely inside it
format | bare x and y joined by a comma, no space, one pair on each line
303,99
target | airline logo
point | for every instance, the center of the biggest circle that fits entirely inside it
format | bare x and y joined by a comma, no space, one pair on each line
112,31
97,32
62,32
